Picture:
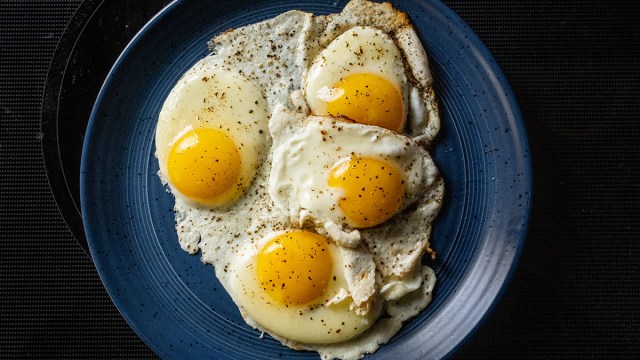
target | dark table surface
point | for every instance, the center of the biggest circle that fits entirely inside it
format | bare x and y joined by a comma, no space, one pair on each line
574,68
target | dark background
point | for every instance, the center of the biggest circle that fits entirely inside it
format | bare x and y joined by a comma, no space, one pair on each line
575,70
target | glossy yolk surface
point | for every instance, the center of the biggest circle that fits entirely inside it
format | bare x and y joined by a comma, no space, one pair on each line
367,99
204,164
373,189
294,268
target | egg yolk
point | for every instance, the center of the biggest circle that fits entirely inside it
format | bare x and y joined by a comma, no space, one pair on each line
204,164
367,99
294,268
373,189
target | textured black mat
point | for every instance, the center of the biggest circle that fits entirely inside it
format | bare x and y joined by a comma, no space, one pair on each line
573,66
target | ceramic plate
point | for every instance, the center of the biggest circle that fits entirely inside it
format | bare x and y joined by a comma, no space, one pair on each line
175,303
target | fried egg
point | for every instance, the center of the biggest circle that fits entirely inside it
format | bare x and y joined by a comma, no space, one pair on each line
343,176
295,280
364,61
211,136
360,75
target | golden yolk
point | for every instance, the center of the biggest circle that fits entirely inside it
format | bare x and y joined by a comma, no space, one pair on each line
367,99
373,189
204,164
294,268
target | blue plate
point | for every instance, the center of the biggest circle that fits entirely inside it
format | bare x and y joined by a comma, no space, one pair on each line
176,304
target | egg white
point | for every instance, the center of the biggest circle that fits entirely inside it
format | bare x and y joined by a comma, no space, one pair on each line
376,271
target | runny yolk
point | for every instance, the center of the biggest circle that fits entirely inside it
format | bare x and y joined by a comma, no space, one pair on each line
294,268
373,189
204,164
367,99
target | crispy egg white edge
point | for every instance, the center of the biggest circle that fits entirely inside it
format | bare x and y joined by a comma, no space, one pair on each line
269,53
